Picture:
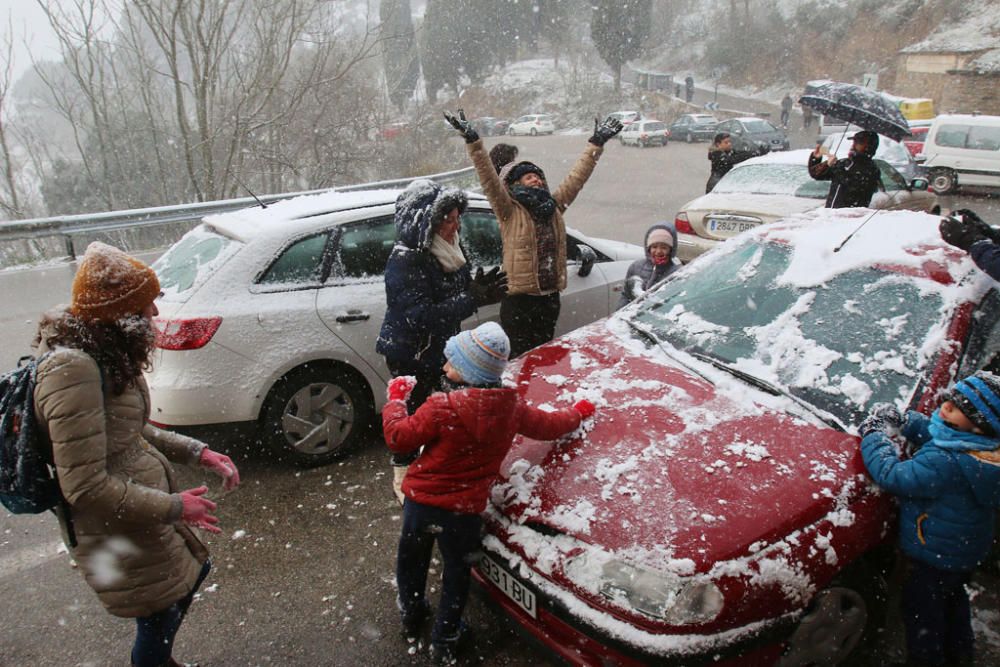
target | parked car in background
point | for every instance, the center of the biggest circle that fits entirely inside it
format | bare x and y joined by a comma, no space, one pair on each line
753,134
829,125
716,509
918,132
694,127
893,152
962,150
645,133
626,117
532,124
269,316
774,186
488,126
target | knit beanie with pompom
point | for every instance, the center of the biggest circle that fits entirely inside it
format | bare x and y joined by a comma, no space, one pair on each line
480,355
110,284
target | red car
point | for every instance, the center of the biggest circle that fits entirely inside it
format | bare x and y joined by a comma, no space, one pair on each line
915,142
716,509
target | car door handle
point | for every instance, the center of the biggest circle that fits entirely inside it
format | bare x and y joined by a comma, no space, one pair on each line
354,316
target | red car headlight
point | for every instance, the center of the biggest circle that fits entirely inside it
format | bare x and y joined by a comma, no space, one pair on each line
678,600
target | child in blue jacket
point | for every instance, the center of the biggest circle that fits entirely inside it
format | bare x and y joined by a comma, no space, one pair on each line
948,494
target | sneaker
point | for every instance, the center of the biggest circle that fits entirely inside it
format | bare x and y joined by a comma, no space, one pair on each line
413,622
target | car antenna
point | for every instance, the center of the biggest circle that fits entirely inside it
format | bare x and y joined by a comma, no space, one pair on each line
244,186
849,236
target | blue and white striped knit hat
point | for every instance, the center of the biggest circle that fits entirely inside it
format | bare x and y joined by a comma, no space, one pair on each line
479,355
978,397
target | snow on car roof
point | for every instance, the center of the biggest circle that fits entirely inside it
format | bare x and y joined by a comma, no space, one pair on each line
907,241
800,156
250,223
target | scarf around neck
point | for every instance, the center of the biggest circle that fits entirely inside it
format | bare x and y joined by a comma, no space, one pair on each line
538,201
951,438
449,255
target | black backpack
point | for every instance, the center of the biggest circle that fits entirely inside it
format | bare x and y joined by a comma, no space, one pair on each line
28,482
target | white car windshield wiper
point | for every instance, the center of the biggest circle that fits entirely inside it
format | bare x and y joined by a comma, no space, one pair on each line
766,386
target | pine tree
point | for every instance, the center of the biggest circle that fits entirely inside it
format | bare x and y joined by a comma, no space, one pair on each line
619,28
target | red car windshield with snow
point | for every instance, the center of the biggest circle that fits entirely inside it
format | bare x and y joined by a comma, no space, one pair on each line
717,504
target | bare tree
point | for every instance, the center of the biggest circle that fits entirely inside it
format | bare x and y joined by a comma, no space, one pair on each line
197,99
9,199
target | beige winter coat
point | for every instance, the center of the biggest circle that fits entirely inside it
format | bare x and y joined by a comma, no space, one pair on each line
517,229
113,470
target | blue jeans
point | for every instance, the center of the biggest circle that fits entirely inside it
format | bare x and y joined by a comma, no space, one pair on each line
936,615
154,634
458,538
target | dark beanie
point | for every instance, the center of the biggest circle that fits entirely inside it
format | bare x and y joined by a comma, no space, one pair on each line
511,173
978,397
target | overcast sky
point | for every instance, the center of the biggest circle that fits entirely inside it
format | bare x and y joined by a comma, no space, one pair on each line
30,30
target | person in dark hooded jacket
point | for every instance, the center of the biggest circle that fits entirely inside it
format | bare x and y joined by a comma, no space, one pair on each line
723,158
948,491
465,434
854,179
660,262
429,290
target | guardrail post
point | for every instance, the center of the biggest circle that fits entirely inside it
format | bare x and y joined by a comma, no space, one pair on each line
70,250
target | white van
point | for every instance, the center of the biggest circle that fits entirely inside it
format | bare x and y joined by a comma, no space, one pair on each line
962,149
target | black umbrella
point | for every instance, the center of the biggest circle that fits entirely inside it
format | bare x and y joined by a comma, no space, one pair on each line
861,106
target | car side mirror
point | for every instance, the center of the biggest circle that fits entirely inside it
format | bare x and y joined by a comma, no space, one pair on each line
587,259
919,184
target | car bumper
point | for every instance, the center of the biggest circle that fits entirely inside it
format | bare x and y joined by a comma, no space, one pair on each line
212,385
690,246
554,631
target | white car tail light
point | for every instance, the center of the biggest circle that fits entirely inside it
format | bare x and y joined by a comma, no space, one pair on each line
185,334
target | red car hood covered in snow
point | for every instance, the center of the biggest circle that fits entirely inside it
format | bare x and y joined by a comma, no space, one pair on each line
672,466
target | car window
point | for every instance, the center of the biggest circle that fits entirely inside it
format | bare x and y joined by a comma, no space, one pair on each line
867,328
952,136
301,263
756,126
523,119
365,248
480,237
983,347
983,138
772,179
191,261
653,127
892,180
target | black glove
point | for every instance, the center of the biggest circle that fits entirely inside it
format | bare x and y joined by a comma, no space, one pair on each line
882,417
606,130
488,288
959,231
463,126
971,218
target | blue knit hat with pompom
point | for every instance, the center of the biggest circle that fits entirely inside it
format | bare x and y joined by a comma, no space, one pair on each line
479,355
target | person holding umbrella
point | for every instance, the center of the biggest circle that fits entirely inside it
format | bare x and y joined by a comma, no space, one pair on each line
854,179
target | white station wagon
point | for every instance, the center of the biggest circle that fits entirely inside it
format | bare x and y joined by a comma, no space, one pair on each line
270,315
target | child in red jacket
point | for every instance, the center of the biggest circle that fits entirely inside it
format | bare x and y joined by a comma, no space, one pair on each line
466,434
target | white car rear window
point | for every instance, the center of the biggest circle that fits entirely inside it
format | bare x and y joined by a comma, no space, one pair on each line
191,261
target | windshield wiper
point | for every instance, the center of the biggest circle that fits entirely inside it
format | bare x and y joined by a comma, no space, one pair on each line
648,335
767,387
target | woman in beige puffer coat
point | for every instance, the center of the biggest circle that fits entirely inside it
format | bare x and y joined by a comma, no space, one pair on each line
126,525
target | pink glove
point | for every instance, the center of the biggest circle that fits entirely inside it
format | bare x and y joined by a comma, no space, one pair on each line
400,388
197,511
221,465
584,407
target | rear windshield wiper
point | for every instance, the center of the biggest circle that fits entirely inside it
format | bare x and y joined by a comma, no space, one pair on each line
767,387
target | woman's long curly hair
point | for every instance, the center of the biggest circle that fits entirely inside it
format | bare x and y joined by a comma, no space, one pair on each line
123,349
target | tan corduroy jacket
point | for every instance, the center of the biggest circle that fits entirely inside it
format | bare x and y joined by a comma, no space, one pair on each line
114,472
517,229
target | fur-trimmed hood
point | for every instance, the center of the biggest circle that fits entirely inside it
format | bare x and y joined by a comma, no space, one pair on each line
420,207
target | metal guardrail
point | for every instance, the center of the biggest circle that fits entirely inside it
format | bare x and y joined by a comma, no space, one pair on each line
69,226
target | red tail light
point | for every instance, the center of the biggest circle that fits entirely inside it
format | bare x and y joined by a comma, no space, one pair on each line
682,225
188,334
